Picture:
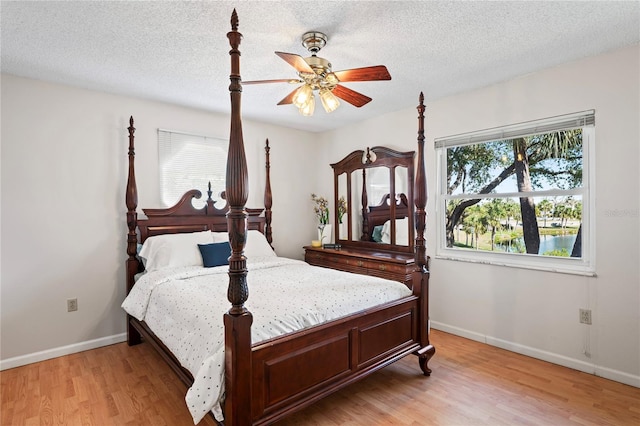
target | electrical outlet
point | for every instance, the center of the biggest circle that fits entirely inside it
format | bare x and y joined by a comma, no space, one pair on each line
585,316
72,305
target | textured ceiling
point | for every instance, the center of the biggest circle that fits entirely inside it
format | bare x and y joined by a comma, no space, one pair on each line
177,51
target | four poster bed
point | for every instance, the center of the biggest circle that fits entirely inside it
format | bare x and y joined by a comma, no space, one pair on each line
257,366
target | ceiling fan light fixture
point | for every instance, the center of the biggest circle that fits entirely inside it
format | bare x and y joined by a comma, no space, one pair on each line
332,79
309,106
315,74
329,101
302,96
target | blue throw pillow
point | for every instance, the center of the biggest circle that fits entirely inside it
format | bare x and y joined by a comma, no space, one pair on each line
215,254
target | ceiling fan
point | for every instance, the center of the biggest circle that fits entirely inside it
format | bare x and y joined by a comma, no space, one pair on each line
315,74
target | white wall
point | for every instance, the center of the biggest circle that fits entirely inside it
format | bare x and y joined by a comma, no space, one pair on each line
64,167
534,312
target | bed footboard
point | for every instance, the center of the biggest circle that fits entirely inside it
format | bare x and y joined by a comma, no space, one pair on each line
292,372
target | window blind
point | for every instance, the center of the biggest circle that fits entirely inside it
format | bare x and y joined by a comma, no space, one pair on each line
545,125
187,161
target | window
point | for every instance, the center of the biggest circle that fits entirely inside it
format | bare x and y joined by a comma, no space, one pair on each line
190,162
519,195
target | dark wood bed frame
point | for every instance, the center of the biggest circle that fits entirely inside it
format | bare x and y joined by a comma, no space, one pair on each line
259,385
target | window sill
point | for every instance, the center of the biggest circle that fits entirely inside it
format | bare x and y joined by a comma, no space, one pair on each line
522,261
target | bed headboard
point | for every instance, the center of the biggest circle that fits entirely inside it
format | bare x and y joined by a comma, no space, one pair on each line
183,216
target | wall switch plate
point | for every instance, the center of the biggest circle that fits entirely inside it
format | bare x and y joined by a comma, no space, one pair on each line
72,305
585,316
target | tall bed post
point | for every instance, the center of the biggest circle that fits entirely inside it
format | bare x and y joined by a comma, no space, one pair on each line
421,275
420,197
268,198
365,203
131,197
237,321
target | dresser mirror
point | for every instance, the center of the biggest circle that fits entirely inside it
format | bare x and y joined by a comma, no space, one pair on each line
376,186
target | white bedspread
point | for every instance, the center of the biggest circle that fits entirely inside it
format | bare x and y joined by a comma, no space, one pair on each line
184,307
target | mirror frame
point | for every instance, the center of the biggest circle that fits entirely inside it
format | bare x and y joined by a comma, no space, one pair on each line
358,162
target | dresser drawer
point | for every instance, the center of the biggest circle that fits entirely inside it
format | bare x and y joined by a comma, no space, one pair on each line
333,261
391,272
382,267
364,264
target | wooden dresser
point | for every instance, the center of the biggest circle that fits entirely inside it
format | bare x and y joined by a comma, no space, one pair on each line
384,264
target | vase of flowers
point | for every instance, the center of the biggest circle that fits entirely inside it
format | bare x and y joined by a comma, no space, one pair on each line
341,208
321,209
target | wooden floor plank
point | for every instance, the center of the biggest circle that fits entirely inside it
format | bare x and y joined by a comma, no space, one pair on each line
471,384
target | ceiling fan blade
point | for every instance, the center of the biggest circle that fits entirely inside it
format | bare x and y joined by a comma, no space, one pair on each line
289,98
354,98
296,61
377,72
282,80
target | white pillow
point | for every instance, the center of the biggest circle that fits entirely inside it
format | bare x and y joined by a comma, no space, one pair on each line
171,250
220,237
257,244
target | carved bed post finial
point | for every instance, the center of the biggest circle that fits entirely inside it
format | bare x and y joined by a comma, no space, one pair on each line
210,206
234,21
238,320
268,198
421,194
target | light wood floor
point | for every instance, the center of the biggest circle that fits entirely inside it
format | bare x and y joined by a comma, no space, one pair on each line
471,384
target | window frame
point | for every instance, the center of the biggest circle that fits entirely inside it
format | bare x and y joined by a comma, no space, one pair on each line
166,152
580,266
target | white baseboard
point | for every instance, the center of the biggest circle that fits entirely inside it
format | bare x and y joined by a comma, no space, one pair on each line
607,373
61,351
